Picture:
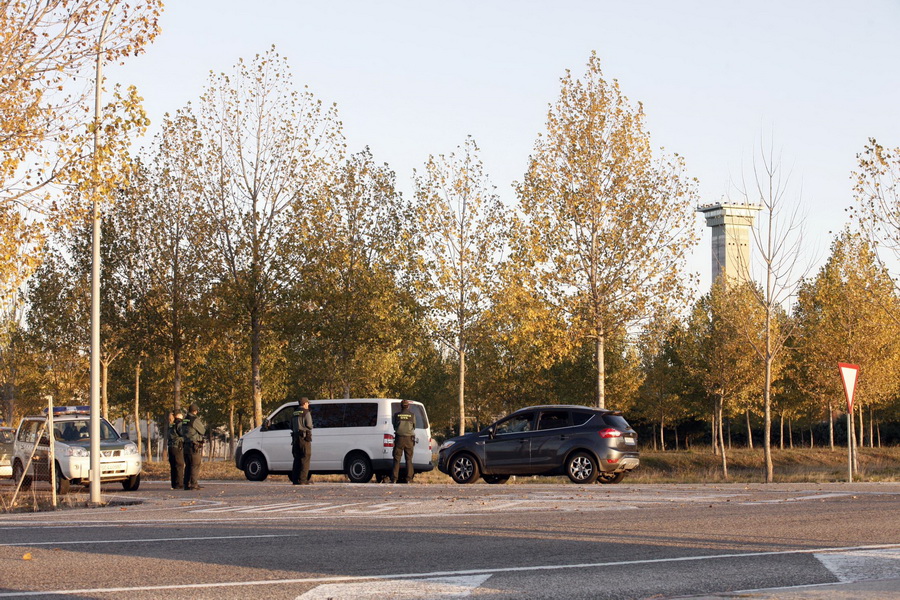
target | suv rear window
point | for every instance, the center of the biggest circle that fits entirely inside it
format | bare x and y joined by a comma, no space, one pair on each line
616,422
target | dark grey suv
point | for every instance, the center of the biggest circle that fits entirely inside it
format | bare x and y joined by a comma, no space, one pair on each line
584,443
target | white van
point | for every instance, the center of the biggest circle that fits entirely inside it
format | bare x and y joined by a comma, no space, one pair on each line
352,436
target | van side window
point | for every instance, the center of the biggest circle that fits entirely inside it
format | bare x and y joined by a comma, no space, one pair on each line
327,415
282,419
361,414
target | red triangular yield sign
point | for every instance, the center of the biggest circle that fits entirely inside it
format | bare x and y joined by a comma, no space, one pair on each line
849,374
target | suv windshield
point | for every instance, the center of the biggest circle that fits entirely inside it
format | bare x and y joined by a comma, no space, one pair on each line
74,431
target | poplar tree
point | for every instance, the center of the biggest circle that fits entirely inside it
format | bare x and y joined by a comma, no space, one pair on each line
459,224
607,226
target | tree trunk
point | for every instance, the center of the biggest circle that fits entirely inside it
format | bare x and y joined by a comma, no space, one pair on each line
791,433
255,381
830,425
231,427
462,389
662,434
600,359
862,428
137,406
781,431
871,427
675,431
716,427
720,402
176,382
749,431
767,422
104,406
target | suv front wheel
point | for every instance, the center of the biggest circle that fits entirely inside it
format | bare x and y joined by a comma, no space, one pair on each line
464,468
582,468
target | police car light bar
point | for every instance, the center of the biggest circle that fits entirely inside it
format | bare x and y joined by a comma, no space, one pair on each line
69,410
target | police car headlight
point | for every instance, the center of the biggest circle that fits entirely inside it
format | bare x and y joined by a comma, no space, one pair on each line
447,444
130,449
77,451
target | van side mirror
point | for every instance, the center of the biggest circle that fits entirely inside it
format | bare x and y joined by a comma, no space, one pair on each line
265,425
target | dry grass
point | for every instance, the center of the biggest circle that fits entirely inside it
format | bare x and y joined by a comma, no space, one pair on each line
799,465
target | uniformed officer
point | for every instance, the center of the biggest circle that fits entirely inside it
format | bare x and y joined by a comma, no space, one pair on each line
404,440
301,442
176,450
193,430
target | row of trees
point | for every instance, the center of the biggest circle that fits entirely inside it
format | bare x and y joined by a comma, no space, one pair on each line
250,258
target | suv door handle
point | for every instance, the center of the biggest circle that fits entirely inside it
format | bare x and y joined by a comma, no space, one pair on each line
563,437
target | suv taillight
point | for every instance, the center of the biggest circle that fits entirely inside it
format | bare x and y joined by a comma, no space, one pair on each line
388,440
609,432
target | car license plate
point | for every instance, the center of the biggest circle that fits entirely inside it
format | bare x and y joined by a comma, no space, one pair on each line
630,441
112,468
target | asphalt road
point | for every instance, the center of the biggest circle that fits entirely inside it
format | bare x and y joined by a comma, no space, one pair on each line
337,540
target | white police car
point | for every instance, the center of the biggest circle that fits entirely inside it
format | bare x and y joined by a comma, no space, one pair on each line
119,457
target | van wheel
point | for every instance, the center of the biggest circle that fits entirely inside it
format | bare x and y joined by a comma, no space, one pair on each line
464,468
132,483
582,468
62,484
255,468
359,469
19,476
498,479
611,477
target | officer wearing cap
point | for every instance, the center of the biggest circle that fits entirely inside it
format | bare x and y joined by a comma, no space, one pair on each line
176,450
404,440
301,442
193,430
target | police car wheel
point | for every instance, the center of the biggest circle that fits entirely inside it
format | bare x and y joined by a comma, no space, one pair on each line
255,468
359,469
611,477
62,484
19,475
464,468
132,483
581,467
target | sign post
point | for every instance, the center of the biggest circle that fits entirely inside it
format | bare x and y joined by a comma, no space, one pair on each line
849,374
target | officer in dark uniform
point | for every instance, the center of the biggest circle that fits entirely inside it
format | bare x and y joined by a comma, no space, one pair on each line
193,430
301,442
176,450
404,440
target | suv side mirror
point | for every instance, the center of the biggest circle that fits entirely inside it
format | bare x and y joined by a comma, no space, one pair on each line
492,432
124,435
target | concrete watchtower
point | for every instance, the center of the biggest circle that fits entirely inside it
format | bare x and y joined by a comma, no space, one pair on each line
731,224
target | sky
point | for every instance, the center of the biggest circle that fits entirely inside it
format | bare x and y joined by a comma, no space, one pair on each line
812,79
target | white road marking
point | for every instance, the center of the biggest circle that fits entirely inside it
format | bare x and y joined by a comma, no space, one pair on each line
145,540
800,498
861,565
399,589
434,574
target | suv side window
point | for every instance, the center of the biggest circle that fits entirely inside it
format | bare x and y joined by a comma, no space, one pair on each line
580,418
515,424
553,419
28,432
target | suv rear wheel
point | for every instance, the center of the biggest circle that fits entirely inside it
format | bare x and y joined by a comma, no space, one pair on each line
581,467
464,468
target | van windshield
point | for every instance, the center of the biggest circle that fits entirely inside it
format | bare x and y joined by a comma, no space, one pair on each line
419,411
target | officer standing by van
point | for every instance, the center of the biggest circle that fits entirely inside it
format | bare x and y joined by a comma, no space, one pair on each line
193,430
176,450
301,442
404,440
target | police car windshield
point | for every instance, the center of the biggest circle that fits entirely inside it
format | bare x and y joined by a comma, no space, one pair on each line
6,437
74,431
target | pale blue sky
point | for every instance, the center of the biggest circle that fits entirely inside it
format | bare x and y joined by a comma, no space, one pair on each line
413,78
